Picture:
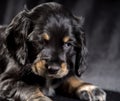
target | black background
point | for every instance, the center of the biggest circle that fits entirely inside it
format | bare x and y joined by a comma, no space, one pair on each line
102,26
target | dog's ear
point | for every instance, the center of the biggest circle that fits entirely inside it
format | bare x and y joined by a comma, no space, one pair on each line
17,33
81,50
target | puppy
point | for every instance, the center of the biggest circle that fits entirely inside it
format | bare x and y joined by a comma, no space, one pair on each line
43,49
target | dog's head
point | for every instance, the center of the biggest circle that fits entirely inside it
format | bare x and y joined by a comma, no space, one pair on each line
50,38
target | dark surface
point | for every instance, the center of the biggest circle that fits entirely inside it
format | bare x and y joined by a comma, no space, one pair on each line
113,96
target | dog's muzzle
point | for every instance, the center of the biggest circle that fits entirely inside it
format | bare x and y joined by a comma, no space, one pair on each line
44,69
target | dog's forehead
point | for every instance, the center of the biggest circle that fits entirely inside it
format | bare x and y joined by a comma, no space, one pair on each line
58,36
55,27
58,27
59,22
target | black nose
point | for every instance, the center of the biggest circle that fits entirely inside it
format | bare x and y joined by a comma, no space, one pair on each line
53,69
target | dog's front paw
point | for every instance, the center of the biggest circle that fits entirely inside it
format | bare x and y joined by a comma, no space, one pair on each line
91,93
38,96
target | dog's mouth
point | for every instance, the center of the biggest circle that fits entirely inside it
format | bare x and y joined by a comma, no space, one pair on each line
41,68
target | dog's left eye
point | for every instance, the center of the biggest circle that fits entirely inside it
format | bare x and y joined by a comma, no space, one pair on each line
67,45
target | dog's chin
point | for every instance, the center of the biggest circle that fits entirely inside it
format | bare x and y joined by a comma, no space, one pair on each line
45,74
57,75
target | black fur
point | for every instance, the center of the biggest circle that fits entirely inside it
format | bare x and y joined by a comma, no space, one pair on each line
21,44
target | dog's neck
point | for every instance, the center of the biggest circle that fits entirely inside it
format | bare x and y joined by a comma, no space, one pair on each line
51,85
49,88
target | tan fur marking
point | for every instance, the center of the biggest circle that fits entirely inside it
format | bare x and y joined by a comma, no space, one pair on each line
66,39
46,36
76,85
74,82
63,66
63,71
87,87
39,67
40,64
36,94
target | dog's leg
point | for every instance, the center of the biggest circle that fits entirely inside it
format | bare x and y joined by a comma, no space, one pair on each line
16,90
38,96
84,91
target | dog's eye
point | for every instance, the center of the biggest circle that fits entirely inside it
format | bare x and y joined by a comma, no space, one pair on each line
67,45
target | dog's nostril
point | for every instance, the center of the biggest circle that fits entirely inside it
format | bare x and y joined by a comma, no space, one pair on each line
53,69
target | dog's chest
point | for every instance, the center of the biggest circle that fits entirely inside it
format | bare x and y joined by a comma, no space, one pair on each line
49,87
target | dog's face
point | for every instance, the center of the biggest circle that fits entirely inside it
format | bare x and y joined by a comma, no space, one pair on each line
53,47
49,38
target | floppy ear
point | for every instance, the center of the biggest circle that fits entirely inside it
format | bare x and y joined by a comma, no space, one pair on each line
17,33
81,50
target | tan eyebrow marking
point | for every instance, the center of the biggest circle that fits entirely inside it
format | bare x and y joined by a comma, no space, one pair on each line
46,36
66,39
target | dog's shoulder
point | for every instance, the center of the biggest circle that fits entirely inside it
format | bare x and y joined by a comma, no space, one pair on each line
2,28
2,33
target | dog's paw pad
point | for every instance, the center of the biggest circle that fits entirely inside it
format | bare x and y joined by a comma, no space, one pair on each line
91,93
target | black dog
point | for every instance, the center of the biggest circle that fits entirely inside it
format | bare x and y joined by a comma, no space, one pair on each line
41,50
